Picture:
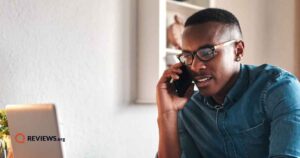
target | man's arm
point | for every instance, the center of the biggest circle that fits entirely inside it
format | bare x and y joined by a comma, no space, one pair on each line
168,105
168,136
187,145
283,109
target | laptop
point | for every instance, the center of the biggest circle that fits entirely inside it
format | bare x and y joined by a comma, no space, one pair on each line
34,131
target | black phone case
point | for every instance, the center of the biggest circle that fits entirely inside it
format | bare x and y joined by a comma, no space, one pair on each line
184,81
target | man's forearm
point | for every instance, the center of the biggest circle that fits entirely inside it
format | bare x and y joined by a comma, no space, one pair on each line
168,135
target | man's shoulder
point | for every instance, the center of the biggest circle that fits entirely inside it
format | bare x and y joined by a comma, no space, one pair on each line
267,72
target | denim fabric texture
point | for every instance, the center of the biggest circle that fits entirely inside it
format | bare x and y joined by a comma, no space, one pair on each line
260,118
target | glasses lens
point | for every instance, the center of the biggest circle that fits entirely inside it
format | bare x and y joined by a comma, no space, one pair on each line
186,58
205,54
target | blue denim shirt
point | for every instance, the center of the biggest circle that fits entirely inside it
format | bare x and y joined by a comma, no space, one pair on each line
260,118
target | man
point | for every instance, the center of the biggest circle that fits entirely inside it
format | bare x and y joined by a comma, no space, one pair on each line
239,111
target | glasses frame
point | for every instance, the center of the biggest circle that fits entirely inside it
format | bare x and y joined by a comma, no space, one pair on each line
213,49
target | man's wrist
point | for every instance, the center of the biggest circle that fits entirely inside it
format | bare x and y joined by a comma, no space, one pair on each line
167,114
167,117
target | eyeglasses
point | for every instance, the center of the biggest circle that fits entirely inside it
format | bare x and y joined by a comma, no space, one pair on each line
203,54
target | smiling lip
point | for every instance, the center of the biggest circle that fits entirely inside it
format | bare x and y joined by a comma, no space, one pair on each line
203,81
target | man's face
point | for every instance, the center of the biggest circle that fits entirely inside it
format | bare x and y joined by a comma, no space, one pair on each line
211,77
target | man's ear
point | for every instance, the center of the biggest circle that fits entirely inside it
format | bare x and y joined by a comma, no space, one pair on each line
239,50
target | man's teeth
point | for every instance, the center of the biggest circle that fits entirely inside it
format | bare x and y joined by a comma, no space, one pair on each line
204,79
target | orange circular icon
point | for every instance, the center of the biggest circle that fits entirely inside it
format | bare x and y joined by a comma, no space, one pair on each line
20,138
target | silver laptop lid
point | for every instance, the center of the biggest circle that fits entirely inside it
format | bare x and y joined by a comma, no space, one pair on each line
34,131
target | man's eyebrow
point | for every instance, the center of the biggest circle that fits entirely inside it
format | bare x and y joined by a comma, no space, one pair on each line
201,47
206,46
185,51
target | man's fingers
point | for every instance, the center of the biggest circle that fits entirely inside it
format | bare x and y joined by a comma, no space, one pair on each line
177,70
177,65
174,76
171,73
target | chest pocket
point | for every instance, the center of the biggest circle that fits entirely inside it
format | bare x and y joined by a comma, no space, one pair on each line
253,141
256,133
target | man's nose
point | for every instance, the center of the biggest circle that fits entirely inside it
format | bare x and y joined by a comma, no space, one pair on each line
197,65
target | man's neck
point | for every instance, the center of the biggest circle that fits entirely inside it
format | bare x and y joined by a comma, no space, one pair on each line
219,98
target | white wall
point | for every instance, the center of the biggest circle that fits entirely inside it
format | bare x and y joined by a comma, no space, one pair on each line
297,38
269,30
281,32
79,55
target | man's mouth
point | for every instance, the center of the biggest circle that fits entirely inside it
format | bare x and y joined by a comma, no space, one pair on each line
202,81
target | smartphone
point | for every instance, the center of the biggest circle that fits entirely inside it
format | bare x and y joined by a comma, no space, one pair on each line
184,81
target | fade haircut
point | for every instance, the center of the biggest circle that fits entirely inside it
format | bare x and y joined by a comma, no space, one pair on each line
213,15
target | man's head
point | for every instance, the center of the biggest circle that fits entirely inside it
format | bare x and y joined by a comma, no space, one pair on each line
214,15
218,31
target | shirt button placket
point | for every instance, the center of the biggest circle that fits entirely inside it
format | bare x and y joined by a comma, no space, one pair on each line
228,144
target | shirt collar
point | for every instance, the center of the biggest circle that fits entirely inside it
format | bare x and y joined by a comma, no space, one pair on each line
234,93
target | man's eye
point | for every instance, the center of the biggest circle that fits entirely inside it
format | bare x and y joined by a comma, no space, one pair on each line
205,52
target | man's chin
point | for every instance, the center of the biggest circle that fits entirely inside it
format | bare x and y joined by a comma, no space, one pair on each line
206,92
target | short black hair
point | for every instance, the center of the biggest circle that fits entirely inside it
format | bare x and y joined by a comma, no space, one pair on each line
213,15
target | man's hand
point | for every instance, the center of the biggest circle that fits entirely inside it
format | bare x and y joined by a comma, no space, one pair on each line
166,97
168,104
